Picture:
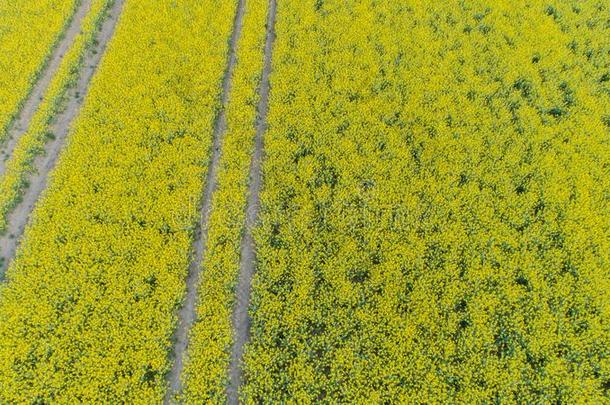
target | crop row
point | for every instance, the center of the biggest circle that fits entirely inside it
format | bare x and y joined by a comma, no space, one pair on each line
29,30
435,213
32,142
88,308
206,375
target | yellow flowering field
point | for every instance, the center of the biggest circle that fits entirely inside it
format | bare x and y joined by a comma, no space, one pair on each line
28,32
434,224
87,310
436,207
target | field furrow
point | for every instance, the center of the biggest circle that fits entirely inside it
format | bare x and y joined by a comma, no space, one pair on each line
247,260
39,146
187,313
33,38
32,103
210,370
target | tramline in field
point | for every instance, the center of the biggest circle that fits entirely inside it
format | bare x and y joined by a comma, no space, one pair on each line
28,33
36,146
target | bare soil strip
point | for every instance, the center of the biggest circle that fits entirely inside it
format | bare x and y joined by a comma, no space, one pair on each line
241,319
18,218
187,312
22,121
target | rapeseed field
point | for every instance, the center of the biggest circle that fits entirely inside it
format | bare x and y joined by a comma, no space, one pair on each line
306,201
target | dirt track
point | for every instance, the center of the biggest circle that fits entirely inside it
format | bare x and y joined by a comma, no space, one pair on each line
241,319
30,106
187,313
18,218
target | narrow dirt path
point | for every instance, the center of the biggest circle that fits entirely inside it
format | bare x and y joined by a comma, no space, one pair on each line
241,319
187,313
22,121
18,218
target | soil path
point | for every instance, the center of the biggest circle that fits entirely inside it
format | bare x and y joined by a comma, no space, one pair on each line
30,106
241,319
187,312
18,218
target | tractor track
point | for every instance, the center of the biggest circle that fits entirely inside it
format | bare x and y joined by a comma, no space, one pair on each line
22,122
187,312
241,319
44,164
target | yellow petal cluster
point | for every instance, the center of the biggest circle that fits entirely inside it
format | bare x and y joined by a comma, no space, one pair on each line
88,308
436,209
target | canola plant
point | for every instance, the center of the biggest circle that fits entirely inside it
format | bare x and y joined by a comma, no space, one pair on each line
435,224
